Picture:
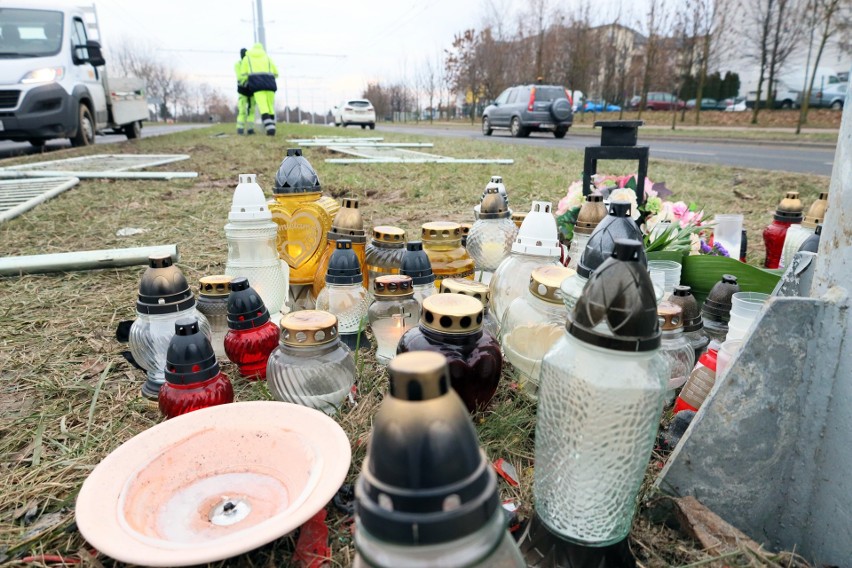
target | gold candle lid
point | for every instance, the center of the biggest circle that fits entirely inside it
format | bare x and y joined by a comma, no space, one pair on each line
545,282
347,222
467,287
790,209
452,313
518,218
389,234
216,285
438,231
591,213
395,285
308,327
419,375
493,205
671,316
816,213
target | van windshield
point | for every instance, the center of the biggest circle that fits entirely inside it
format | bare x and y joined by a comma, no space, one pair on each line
29,33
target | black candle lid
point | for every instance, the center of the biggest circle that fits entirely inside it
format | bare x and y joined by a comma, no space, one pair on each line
682,296
616,225
620,295
245,306
425,481
189,358
163,288
343,267
415,263
296,175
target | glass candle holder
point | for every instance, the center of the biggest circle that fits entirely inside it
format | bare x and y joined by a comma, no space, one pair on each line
605,369
789,212
798,234
716,311
164,298
700,382
492,235
476,290
347,224
393,312
693,325
193,378
533,323
213,303
311,366
451,324
591,213
674,347
251,335
252,250
442,244
302,215
537,244
438,505
385,252
345,296
416,264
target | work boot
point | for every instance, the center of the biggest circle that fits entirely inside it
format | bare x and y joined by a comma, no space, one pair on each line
250,132
270,131
240,131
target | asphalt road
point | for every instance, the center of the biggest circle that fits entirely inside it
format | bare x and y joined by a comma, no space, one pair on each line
788,158
9,149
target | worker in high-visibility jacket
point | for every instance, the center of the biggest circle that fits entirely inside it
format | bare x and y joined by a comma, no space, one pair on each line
245,107
258,72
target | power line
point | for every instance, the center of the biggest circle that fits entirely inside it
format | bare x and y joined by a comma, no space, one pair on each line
297,54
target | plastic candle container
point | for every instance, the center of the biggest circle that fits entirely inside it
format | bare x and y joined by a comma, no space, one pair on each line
252,250
700,382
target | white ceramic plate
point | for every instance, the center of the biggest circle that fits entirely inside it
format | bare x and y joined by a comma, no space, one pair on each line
213,483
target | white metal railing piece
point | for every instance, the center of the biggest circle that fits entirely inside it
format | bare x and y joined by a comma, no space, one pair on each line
14,174
18,196
391,155
369,144
83,260
332,140
99,163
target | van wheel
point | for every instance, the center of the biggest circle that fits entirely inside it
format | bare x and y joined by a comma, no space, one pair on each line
37,142
837,105
85,128
372,126
787,104
133,130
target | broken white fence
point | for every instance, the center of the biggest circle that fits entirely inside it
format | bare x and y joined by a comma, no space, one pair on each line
118,166
20,195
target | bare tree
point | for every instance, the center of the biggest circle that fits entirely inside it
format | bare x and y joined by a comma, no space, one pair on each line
431,80
823,17
656,23
712,21
139,59
462,66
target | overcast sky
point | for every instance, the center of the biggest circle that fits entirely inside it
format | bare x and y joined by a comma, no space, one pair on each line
325,50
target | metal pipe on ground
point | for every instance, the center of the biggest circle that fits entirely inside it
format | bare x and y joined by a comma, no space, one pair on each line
83,260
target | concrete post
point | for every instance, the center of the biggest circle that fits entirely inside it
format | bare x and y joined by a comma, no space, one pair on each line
770,451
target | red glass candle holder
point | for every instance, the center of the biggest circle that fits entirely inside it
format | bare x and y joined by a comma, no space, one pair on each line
249,349
175,400
788,212
193,378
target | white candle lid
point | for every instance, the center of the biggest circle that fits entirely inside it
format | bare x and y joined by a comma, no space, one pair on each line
249,203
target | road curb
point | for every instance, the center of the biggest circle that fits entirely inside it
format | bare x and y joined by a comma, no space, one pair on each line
711,140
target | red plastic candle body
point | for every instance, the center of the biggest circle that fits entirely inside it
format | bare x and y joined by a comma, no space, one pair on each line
175,399
698,386
773,237
250,348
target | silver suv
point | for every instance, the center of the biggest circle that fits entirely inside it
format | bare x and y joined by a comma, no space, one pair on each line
526,108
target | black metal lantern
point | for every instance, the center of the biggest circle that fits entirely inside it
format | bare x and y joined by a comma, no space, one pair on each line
618,142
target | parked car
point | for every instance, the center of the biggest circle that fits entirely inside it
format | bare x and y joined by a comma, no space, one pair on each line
600,106
832,96
736,105
359,112
706,104
657,101
526,108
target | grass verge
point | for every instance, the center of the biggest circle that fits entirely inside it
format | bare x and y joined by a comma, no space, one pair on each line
68,397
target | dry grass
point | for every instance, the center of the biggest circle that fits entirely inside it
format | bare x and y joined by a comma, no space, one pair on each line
68,398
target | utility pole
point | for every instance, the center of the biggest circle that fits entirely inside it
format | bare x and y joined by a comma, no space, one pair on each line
261,31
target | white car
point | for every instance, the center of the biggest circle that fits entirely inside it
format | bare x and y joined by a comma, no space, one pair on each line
355,111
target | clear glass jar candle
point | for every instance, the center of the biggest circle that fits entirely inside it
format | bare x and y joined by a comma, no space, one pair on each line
533,323
213,303
347,224
674,347
491,237
384,252
311,366
416,264
393,312
345,296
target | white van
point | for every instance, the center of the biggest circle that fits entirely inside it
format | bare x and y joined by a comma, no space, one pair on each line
53,83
